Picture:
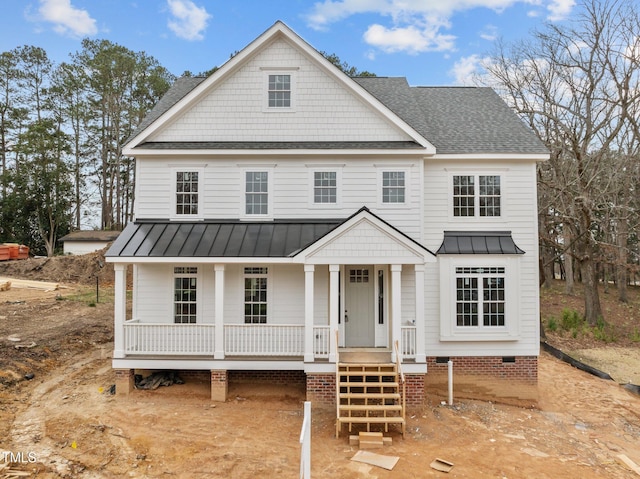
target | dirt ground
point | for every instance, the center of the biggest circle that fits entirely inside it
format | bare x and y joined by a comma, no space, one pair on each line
64,423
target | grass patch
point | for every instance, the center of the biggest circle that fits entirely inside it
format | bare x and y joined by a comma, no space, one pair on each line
88,296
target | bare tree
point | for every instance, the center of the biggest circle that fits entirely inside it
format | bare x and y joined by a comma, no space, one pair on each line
578,87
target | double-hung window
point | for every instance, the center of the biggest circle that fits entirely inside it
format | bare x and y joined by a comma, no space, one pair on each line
325,187
480,297
256,193
185,294
393,187
476,195
255,295
279,91
187,193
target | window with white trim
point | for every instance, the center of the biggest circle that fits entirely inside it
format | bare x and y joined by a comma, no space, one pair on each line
476,195
393,187
187,193
185,294
279,91
255,295
480,296
325,187
257,193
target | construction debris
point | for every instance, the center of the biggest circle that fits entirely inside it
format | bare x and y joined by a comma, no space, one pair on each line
369,440
157,379
629,463
386,462
28,284
441,465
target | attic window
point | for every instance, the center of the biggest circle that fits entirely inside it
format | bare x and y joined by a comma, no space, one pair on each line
279,91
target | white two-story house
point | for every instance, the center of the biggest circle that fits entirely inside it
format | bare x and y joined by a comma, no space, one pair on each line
286,212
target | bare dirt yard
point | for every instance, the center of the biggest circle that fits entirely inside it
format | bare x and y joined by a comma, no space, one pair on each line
64,423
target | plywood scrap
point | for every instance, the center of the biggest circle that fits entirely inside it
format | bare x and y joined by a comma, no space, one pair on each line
629,463
28,284
386,462
441,465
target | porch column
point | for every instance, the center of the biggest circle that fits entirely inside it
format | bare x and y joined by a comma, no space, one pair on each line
218,335
309,271
334,311
120,309
421,357
396,309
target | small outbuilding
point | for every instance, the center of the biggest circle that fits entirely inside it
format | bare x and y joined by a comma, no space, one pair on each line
83,242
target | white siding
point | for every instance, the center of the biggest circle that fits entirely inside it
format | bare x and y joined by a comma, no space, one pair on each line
83,247
323,109
154,293
519,216
223,189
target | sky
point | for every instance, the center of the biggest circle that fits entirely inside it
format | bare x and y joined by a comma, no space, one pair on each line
431,42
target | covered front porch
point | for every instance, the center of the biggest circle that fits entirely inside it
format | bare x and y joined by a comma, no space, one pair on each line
253,294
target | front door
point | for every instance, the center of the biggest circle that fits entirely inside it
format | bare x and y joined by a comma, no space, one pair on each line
359,316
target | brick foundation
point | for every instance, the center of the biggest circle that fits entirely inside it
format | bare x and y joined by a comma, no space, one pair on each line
284,378
125,381
510,380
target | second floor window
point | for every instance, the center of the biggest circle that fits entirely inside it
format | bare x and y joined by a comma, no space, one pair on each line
257,193
476,195
393,187
279,91
325,187
187,193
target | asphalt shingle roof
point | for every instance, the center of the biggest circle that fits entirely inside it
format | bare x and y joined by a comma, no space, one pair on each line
456,120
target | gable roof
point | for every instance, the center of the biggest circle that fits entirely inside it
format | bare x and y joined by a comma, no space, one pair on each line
91,236
454,120
180,100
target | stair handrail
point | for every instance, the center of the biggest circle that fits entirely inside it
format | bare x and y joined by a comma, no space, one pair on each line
337,385
402,380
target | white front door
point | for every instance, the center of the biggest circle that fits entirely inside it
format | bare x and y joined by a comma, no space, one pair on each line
359,316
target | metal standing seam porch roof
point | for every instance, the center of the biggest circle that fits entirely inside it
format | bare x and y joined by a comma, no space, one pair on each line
218,239
478,242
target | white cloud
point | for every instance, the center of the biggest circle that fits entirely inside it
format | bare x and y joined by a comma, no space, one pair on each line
67,19
188,20
417,25
489,33
467,69
409,39
560,9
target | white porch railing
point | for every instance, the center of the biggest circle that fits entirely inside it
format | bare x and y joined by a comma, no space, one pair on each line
408,342
168,339
321,341
263,340
239,339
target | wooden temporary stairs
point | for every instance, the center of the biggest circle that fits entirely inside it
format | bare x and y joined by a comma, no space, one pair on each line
370,393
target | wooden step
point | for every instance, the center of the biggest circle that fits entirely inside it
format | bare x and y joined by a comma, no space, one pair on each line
372,419
370,407
369,395
372,384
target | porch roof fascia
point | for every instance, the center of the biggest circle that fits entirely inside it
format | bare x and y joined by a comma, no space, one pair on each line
422,253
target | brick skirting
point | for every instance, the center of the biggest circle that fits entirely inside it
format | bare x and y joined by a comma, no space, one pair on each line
510,380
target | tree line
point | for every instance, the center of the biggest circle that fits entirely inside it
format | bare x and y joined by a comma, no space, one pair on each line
576,85
62,128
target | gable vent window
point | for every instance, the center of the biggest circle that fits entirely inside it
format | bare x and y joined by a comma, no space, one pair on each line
279,91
